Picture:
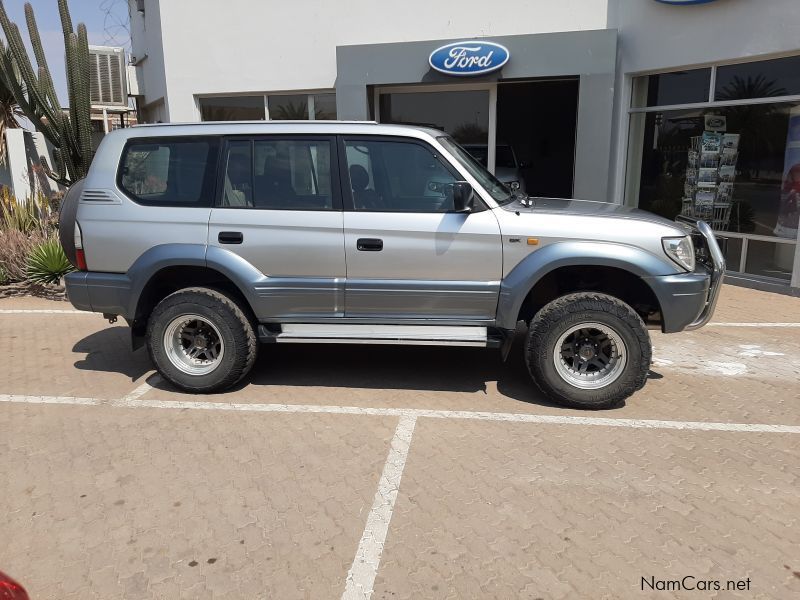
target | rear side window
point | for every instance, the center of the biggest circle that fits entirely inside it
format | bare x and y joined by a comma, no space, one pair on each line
169,171
278,174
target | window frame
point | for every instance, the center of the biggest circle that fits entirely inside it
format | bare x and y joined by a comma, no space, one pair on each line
336,188
344,174
208,190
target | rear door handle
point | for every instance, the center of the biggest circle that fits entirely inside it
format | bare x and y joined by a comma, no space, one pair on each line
369,244
230,237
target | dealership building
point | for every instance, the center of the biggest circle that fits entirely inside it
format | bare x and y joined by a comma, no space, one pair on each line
675,106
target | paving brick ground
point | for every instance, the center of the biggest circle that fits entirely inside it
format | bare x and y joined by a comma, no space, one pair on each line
104,501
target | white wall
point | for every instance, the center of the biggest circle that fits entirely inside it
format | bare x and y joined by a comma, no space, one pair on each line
147,48
654,36
281,46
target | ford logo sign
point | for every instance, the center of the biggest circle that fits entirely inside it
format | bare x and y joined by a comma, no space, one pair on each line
469,58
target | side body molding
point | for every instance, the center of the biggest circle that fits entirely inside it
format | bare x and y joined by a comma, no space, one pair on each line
521,279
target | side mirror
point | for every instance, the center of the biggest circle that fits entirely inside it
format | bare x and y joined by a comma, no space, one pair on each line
463,196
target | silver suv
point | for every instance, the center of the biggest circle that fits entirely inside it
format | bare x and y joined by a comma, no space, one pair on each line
210,238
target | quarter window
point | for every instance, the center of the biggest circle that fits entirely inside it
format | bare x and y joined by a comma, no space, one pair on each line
278,175
398,177
169,172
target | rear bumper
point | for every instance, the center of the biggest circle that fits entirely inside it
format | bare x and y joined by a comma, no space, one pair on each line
99,292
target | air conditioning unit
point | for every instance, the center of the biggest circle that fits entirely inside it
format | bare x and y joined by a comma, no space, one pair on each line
107,77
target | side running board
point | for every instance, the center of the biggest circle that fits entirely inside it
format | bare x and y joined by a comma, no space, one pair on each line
420,335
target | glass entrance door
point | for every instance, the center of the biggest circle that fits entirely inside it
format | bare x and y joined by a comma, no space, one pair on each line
465,114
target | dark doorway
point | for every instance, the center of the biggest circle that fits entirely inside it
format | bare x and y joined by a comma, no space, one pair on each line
537,120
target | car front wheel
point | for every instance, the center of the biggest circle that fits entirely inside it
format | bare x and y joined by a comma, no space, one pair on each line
588,350
201,340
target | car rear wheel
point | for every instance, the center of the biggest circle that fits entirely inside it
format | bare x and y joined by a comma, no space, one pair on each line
588,350
201,340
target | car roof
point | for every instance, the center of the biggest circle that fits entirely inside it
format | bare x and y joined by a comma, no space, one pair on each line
276,127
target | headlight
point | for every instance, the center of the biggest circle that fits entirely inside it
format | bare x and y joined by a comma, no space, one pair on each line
681,250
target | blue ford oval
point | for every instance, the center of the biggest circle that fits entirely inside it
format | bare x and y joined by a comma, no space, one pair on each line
469,58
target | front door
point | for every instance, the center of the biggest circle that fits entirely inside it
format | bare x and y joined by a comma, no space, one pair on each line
280,210
409,255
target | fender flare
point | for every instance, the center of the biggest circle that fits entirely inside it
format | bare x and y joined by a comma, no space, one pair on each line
234,267
527,273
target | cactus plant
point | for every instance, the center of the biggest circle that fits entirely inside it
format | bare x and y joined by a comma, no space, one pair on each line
70,135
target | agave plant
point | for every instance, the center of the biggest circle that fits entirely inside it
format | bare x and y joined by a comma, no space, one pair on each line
47,262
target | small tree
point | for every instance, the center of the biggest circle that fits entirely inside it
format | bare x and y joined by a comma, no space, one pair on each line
70,135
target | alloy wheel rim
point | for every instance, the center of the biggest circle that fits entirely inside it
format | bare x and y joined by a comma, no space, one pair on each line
193,344
590,356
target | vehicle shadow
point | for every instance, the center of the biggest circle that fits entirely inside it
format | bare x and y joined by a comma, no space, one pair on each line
109,351
422,368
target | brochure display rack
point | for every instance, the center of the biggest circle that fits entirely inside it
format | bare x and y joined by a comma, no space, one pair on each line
710,174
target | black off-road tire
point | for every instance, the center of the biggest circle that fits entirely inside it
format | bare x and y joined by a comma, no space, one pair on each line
67,213
232,321
556,318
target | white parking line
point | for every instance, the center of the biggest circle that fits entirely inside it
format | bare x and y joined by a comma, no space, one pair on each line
23,311
753,325
361,576
141,390
127,402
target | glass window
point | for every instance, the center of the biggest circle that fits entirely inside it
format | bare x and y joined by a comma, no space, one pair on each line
769,259
325,107
169,172
288,108
762,79
680,87
497,190
735,166
237,188
463,115
232,108
398,177
732,247
278,175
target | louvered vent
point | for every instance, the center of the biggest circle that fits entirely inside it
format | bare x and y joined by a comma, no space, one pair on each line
96,196
107,76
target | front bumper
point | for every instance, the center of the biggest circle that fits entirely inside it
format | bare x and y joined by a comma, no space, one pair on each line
710,252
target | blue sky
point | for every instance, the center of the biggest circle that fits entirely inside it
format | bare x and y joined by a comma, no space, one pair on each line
106,23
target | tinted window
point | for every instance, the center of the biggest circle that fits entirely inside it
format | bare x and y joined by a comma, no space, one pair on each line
288,108
398,176
324,107
680,87
762,79
169,172
233,108
278,175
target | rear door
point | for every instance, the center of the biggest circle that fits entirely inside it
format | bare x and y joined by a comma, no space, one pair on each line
409,254
280,209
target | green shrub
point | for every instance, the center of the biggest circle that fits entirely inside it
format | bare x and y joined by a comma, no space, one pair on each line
15,248
3,276
47,262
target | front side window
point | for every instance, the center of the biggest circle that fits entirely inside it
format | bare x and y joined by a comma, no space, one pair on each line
169,172
278,174
398,177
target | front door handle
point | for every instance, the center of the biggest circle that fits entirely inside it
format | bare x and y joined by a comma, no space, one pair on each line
230,237
369,244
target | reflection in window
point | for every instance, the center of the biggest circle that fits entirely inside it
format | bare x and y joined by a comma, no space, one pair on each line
325,107
232,108
288,108
769,259
762,79
758,180
680,87
464,115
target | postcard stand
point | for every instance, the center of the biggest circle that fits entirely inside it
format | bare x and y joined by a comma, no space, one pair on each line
710,174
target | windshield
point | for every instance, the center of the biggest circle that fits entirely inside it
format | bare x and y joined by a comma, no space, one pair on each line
499,192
